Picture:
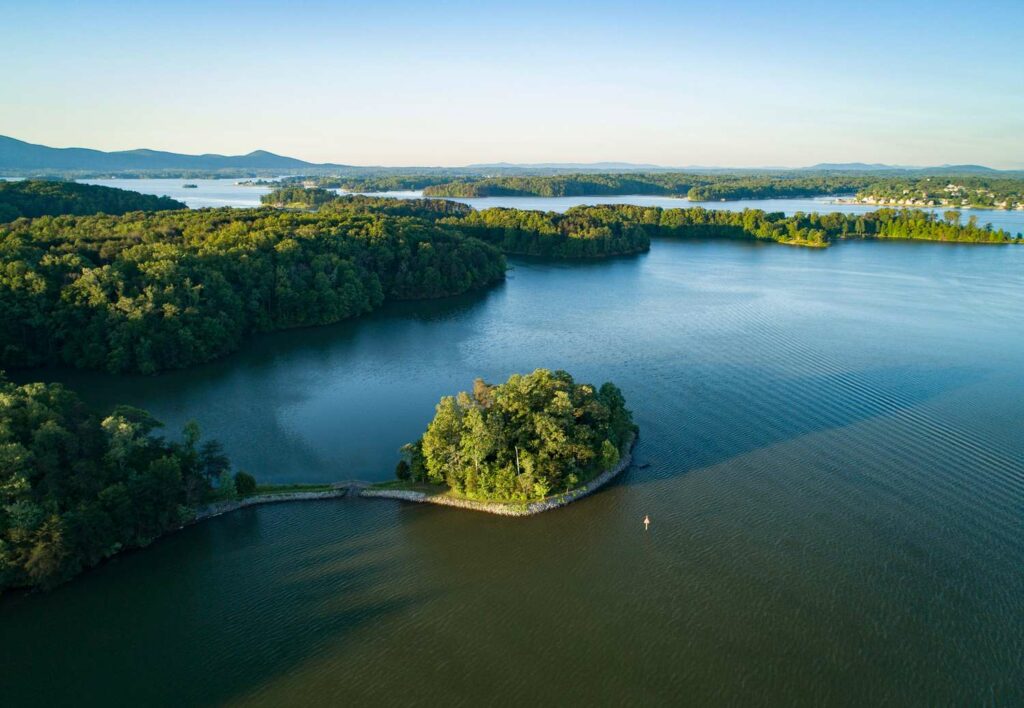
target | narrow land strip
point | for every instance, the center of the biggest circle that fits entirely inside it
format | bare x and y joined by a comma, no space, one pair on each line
358,488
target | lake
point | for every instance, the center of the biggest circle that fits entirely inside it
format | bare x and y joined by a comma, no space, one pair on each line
207,192
225,192
835,480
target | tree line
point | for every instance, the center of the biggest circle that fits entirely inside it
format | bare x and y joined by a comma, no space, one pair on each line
76,487
955,190
34,198
639,224
697,187
525,439
606,230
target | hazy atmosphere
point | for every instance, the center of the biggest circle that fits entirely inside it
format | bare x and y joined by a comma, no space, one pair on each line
412,83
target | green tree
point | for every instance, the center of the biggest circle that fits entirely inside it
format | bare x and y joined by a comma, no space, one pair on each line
226,486
522,439
76,487
402,470
245,484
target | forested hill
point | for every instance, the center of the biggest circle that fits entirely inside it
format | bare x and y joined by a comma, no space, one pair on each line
150,291
33,198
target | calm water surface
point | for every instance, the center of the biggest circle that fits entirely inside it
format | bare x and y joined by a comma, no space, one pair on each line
207,192
226,192
835,481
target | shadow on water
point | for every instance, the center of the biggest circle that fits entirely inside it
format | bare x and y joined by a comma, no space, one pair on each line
208,615
246,395
302,347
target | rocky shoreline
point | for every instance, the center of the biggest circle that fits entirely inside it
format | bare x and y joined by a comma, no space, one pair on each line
510,508
224,507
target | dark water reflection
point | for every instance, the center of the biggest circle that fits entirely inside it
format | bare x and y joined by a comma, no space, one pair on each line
836,483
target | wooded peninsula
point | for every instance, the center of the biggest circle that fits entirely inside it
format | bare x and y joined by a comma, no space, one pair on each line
77,487
34,198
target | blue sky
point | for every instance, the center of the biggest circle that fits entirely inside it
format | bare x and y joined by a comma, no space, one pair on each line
377,82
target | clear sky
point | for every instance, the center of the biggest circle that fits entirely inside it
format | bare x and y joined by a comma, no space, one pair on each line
403,83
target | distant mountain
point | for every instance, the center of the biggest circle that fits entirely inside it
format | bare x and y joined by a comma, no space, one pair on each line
19,155
961,169
565,166
878,167
854,167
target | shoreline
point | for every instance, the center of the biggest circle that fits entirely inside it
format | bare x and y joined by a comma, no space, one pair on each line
903,204
363,489
518,509
225,507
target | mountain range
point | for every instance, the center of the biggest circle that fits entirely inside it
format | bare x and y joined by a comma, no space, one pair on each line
879,167
20,156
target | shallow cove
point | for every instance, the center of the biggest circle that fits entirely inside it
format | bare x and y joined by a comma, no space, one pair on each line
836,488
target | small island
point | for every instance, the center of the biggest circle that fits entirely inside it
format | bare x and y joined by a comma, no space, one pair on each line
536,442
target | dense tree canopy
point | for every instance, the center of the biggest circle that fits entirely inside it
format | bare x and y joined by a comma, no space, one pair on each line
32,198
76,487
144,292
581,232
382,183
423,208
525,439
297,196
